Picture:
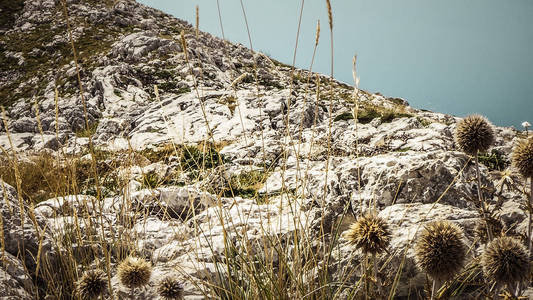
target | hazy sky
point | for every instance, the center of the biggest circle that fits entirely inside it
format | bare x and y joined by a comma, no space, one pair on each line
452,56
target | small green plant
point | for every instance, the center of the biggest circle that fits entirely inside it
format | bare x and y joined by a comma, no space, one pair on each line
403,149
494,161
88,131
389,115
424,121
168,86
343,117
367,115
151,180
246,184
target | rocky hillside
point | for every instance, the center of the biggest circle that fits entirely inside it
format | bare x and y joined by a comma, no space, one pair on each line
220,166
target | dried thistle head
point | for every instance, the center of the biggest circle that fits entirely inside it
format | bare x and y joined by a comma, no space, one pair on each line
170,289
92,285
440,251
523,157
474,133
134,272
370,233
495,224
505,261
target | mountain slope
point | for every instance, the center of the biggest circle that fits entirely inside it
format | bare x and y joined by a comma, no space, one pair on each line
237,175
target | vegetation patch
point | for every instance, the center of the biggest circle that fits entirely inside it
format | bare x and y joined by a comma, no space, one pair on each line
246,184
39,59
87,131
494,161
424,121
344,116
369,112
202,156
152,180
367,115
9,10
44,176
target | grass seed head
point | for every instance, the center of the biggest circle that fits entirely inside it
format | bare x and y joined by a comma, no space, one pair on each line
505,261
474,133
92,284
369,233
170,289
523,157
134,272
440,251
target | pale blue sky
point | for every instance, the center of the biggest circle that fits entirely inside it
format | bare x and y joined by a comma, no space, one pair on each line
452,56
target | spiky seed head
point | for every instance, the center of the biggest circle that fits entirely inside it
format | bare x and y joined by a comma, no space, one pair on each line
134,272
369,233
474,133
91,285
505,261
523,157
440,250
495,224
170,289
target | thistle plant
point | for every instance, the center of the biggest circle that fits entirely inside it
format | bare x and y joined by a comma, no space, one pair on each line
170,289
440,251
134,272
474,134
505,262
92,285
522,159
371,234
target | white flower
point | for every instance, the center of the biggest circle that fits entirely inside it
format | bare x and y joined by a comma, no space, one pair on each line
526,124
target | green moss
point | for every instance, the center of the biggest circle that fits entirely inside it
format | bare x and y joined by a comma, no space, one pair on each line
389,115
191,157
164,74
495,160
423,121
168,86
403,149
246,184
367,115
344,117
